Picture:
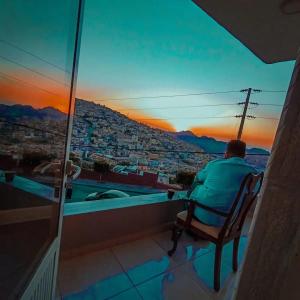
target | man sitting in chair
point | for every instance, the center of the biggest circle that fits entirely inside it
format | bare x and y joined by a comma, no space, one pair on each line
217,184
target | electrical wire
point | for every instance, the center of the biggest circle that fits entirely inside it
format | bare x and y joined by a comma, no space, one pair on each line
179,107
32,70
271,104
267,118
33,55
270,91
180,118
162,119
167,96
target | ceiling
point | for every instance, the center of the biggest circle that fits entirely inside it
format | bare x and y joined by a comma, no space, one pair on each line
261,25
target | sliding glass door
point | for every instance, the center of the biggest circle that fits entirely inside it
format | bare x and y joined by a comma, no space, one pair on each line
39,42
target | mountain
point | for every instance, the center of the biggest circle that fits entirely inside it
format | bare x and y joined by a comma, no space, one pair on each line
104,134
52,113
98,126
208,144
258,151
211,145
17,111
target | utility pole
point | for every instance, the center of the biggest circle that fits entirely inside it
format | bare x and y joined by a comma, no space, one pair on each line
246,104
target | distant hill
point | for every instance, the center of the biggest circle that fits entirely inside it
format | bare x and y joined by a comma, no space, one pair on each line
52,113
208,144
259,151
211,145
17,111
96,125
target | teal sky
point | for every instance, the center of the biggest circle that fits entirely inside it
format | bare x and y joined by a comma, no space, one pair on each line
149,48
36,52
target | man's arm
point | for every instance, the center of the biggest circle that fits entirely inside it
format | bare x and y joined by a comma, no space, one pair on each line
199,179
201,175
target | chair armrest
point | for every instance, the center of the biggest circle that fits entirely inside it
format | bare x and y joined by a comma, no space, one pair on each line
210,209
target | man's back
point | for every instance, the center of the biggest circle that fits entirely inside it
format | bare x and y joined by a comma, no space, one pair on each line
218,184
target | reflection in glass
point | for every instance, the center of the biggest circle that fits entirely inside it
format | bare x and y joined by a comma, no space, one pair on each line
36,55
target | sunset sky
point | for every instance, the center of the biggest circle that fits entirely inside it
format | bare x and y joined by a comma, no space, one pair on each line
141,50
151,48
36,52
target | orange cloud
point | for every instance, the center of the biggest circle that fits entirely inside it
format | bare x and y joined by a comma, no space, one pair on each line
17,89
150,121
103,96
261,138
258,134
159,124
140,116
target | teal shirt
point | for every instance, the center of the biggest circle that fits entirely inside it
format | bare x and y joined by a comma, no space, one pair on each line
217,185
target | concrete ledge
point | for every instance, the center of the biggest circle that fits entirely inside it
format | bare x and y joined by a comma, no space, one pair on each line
94,230
74,208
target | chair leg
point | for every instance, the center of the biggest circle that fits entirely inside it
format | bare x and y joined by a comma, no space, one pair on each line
218,257
176,234
235,254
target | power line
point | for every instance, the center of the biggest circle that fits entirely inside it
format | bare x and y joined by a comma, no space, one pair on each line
186,95
167,96
270,91
32,70
33,55
271,104
267,118
181,118
158,119
216,117
197,106
179,107
250,117
196,117
162,119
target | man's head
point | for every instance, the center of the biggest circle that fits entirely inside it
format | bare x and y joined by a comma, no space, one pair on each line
235,148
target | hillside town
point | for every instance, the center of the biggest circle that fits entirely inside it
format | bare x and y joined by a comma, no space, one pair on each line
103,135
106,137
99,135
28,136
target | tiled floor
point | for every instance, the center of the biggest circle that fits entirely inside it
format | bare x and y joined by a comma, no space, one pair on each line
143,270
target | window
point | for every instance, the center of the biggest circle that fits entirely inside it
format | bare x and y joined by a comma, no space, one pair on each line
37,41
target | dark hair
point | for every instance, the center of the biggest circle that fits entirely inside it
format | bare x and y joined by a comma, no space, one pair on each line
236,148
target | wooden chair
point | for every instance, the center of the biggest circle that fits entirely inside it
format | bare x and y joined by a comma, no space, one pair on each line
232,228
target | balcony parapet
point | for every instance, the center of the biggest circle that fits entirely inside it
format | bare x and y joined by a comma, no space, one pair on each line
94,225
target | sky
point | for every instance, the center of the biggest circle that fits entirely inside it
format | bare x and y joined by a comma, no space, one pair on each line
144,50
140,49
36,52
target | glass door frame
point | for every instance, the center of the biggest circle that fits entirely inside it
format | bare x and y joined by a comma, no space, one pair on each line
43,281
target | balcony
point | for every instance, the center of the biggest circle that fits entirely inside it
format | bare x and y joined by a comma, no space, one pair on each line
117,249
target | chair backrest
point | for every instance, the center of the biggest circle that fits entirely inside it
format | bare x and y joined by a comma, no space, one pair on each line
248,191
